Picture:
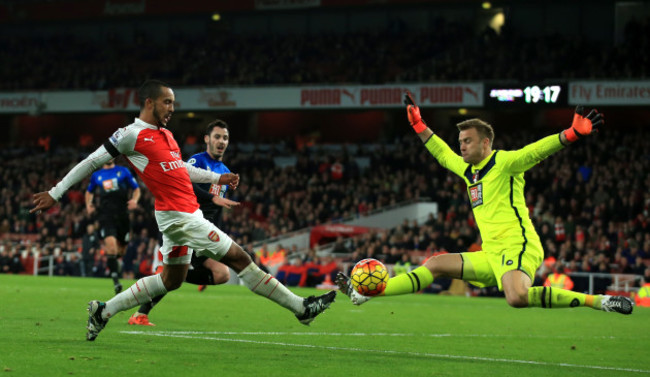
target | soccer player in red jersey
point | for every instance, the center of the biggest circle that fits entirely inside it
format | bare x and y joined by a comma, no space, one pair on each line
154,155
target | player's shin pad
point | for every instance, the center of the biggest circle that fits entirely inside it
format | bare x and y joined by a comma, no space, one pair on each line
553,298
266,285
412,282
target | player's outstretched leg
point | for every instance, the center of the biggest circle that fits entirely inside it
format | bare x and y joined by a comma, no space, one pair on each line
263,284
411,282
343,282
555,298
95,321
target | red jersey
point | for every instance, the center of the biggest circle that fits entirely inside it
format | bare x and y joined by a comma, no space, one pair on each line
156,158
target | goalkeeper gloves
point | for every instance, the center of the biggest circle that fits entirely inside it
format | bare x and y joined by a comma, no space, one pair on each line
583,125
413,113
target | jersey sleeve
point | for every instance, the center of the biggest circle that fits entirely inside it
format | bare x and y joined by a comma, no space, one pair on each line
445,156
92,184
122,141
199,175
525,158
80,171
130,179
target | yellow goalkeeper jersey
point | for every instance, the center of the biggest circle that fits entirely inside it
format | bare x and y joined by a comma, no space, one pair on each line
496,189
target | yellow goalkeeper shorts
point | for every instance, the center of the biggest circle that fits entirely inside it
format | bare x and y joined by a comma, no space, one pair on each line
486,268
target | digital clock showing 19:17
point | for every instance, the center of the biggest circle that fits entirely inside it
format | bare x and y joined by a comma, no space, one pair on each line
527,95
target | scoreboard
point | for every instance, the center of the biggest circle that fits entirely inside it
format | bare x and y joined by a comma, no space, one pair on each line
526,95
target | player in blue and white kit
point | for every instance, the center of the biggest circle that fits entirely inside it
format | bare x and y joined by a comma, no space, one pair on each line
208,194
211,198
113,183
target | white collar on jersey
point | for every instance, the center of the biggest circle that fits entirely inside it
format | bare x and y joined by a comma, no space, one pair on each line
145,124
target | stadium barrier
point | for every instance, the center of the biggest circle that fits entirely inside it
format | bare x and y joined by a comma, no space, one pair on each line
45,264
598,282
386,218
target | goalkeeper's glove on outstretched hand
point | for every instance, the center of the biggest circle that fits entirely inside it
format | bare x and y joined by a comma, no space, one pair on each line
583,125
413,113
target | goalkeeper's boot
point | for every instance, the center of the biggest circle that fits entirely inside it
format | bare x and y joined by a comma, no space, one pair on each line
314,306
95,321
344,285
619,304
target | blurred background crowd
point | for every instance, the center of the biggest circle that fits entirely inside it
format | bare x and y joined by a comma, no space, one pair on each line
449,51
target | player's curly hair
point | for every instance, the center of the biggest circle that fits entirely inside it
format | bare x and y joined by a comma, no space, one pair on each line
483,128
150,89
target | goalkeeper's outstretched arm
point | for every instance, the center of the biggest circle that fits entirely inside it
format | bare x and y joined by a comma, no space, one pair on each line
413,113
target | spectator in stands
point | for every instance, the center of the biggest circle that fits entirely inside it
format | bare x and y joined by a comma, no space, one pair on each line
5,260
67,265
145,268
340,247
100,269
403,266
15,262
5,227
558,279
642,298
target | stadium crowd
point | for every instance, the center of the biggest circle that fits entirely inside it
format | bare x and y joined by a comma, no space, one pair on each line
588,203
450,50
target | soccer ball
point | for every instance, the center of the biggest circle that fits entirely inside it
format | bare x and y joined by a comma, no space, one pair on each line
369,277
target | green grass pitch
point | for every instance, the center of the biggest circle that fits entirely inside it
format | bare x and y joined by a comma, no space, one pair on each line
229,331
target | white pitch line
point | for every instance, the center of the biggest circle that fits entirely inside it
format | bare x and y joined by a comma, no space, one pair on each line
191,335
275,333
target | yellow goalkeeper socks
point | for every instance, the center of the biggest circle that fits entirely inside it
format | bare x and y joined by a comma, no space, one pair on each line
551,298
412,282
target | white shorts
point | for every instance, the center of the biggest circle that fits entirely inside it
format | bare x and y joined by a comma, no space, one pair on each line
183,232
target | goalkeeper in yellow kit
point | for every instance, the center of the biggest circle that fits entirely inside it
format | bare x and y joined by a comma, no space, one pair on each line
511,250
